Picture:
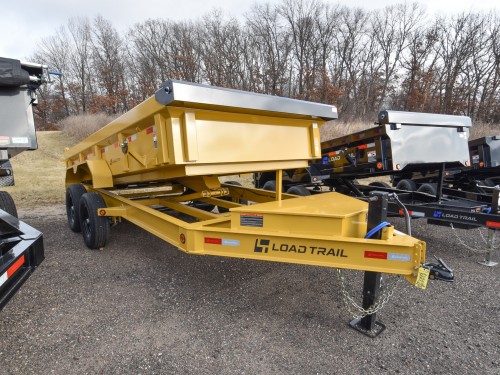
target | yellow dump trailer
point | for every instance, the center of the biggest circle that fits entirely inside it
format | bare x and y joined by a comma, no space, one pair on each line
159,166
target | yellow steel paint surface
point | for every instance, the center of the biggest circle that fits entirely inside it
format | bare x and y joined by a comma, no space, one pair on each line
328,214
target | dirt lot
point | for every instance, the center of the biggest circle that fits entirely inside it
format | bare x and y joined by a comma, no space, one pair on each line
143,307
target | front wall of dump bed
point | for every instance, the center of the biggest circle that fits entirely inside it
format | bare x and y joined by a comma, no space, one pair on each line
413,144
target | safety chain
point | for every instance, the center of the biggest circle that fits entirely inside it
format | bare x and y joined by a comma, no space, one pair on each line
361,312
485,240
474,250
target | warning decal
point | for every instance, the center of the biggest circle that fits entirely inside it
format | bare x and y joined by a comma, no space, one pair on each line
251,220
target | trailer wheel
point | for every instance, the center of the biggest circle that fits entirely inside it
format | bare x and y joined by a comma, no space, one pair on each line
489,182
428,189
407,184
73,196
381,184
95,229
298,190
7,203
7,178
269,185
226,198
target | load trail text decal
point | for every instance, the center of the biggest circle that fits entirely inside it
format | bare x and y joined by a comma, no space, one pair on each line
446,215
265,246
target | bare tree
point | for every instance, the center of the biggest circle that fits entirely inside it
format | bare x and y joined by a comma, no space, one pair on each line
391,28
79,52
301,16
108,63
53,51
418,69
271,46
220,50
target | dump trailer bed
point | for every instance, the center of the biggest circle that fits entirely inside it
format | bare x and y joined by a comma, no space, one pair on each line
485,152
403,142
485,165
474,182
158,166
423,153
18,82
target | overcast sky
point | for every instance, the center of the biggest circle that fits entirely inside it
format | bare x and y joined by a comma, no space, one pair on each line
25,23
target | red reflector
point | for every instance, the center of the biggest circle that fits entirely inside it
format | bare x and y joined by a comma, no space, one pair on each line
375,255
401,212
17,264
215,241
149,130
493,224
362,147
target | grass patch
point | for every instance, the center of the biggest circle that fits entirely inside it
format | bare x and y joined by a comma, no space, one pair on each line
39,175
79,127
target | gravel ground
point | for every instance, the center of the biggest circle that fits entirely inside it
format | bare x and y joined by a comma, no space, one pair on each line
142,307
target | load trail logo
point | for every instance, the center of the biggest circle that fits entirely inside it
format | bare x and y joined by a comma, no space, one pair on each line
265,246
446,215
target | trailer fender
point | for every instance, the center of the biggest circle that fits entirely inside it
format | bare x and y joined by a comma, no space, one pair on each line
96,171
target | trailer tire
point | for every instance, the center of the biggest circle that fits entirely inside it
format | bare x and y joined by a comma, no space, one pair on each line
381,184
8,178
298,190
7,203
407,185
226,198
269,185
428,189
95,228
489,182
73,195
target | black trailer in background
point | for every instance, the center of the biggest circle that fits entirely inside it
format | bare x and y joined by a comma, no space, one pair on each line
21,246
431,170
